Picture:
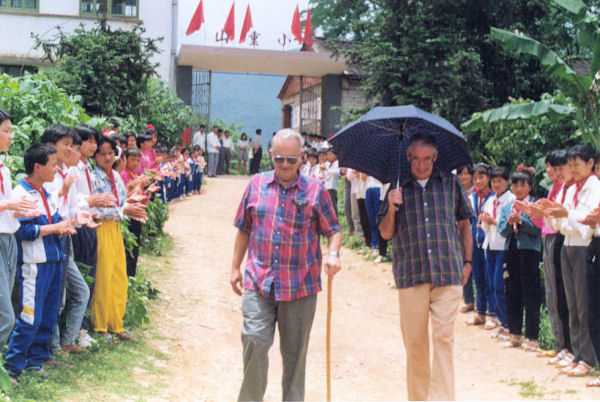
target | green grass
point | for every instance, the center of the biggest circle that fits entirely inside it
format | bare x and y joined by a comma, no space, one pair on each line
107,371
529,389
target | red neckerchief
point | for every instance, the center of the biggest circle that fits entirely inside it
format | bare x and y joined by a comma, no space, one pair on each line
64,176
496,205
114,186
481,197
87,175
578,188
2,179
565,187
554,191
43,194
132,175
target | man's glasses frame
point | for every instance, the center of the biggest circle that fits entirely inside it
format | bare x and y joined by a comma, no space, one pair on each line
292,160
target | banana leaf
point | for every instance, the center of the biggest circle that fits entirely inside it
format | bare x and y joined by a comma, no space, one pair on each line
518,111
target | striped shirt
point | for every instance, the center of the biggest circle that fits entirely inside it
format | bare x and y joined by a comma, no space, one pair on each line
284,226
426,246
101,183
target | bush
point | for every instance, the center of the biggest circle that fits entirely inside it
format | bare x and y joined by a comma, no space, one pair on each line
35,103
158,213
139,292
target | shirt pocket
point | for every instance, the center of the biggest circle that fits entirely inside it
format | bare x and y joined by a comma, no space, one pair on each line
300,217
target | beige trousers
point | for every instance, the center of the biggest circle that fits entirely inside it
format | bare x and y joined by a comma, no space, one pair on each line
429,380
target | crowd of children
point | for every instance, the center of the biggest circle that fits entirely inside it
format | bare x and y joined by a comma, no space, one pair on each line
363,194
513,232
64,215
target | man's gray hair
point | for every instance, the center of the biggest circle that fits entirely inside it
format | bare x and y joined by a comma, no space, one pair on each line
423,139
287,133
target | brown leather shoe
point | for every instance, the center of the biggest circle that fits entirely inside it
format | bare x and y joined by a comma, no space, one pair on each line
75,349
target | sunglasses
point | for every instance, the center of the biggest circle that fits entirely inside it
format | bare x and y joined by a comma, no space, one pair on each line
289,159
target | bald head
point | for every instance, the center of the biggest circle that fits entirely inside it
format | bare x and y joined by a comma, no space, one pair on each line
285,135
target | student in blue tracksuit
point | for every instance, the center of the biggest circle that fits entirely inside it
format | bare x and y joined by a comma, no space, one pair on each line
39,265
483,195
10,208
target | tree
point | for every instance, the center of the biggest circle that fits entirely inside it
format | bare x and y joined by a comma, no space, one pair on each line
582,90
343,19
108,69
438,54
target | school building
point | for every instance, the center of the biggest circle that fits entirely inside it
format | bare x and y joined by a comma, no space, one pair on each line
20,19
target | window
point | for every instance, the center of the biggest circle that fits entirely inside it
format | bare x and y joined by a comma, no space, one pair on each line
23,5
17,70
115,8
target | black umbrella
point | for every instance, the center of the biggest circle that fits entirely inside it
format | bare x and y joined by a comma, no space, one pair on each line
376,143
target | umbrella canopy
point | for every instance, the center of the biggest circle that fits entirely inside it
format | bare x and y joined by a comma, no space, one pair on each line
376,143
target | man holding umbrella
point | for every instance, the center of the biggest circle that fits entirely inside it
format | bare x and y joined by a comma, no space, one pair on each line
428,219
280,218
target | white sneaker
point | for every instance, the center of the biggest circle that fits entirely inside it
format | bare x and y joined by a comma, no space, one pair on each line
378,259
85,340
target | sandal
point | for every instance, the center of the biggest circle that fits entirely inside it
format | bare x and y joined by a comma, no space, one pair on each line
570,366
477,320
514,342
561,355
547,353
566,361
581,370
467,307
531,345
491,323
594,383
126,336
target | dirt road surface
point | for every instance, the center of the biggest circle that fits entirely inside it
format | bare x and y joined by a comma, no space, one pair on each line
200,320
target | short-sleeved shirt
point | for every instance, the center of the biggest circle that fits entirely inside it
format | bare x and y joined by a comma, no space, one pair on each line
285,225
426,246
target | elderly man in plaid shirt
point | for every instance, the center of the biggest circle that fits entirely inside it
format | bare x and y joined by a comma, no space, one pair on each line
429,220
280,219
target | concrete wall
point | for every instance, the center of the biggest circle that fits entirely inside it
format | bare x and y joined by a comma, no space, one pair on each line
17,44
352,96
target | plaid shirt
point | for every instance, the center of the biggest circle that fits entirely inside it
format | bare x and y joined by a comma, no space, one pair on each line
284,226
426,246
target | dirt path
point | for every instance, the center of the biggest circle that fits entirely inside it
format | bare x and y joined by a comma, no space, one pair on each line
201,320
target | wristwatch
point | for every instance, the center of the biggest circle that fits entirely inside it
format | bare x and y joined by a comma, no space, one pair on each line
334,253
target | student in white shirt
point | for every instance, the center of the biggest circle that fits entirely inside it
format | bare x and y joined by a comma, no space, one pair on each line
213,146
331,178
581,199
227,149
494,246
199,138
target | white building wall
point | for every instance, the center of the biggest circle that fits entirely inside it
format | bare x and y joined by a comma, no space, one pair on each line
17,45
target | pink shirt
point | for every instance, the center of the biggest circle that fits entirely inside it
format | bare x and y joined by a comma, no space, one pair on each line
541,222
148,161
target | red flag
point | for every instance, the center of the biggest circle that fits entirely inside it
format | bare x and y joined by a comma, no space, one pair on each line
185,136
247,25
296,26
196,21
229,27
309,39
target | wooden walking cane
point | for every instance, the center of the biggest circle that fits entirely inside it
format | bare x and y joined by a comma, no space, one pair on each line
328,341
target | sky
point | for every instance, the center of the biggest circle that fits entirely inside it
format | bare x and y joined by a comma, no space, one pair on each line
271,19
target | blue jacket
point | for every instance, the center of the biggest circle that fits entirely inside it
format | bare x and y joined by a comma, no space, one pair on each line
478,233
529,236
33,249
